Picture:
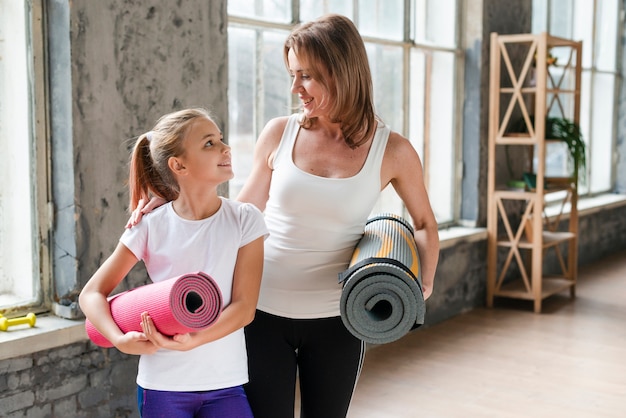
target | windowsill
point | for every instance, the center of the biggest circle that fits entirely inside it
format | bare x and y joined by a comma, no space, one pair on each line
590,205
51,331
452,236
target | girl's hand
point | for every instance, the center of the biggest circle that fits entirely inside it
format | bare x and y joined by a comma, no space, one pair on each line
179,342
136,343
143,208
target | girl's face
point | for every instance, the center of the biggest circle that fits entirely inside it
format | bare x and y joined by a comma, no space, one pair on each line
313,95
206,157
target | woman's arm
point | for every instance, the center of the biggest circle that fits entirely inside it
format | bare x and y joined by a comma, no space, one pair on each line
257,186
239,313
403,169
94,304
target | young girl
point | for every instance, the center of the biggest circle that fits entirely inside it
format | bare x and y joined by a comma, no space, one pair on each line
199,374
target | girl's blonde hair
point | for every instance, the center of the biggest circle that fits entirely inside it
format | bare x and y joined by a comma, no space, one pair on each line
333,52
149,170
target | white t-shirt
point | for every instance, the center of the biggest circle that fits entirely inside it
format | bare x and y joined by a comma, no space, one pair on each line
314,223
171,246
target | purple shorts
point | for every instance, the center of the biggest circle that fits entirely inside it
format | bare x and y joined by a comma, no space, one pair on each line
222,403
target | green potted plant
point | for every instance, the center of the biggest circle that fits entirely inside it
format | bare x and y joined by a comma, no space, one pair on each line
562,129
568,131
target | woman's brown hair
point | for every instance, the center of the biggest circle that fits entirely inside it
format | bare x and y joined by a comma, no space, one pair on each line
332,45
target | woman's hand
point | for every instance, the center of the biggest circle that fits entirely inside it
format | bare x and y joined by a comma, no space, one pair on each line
143,208
179,342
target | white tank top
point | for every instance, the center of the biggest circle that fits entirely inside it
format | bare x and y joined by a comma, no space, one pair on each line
314,224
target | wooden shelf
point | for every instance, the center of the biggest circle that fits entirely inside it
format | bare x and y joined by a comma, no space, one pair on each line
549,286
510,230
549,239
517,194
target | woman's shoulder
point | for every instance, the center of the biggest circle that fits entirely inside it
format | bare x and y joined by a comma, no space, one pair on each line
274,128
271,136
400,154
397,143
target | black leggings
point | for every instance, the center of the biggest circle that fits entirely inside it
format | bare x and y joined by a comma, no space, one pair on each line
327,359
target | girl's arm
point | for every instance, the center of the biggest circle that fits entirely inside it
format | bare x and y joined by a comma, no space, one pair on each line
94,304
239,313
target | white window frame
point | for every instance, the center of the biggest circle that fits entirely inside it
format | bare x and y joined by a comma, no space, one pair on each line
421,141
25,286
542,20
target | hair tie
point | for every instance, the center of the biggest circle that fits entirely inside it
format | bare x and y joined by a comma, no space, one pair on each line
149,136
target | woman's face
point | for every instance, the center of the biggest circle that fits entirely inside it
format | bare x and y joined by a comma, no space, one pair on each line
314,98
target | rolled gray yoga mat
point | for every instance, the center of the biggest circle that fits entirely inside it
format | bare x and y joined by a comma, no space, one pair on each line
382,297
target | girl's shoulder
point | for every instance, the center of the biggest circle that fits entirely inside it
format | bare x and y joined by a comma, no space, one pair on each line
156,215
243,208
249,218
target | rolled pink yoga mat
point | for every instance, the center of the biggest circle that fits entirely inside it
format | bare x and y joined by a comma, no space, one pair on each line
187,303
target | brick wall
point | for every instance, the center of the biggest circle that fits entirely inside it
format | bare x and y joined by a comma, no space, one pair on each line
77,380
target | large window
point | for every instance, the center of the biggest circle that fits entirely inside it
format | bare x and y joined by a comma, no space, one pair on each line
23,185
413,52
597,24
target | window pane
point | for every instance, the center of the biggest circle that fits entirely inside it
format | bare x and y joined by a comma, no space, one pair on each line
557,160
440,160
271,10
431,128
606,28
582,28
540,16
19,276
417,100
601,150
433,24
386,65
258,91
311,9
241,98
276,83
381,18
585,121
561,18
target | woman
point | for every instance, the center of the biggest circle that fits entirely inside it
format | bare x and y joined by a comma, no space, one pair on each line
317,175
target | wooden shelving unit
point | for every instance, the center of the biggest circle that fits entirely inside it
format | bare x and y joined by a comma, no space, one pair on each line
526,88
